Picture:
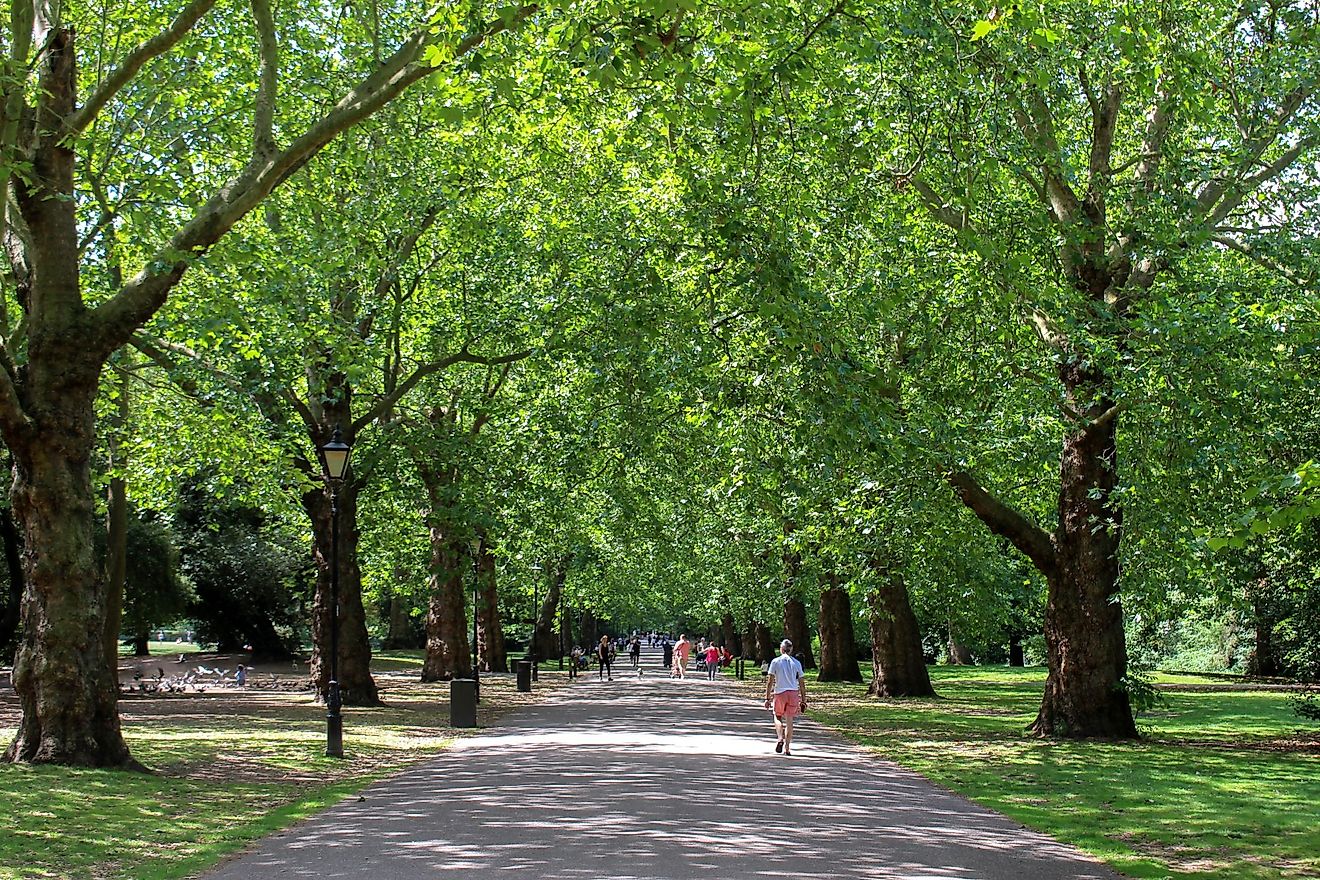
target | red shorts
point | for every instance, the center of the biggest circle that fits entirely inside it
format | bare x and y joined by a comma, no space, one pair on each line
788,704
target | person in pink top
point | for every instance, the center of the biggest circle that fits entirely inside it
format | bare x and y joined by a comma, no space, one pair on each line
682,651
712,662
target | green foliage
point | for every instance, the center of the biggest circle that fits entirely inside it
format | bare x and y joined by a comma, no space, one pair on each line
249,582
154,593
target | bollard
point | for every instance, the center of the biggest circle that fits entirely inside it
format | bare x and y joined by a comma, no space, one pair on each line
524,668
463,702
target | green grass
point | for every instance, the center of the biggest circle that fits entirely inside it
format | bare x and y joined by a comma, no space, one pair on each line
1224,784
163,649
228,767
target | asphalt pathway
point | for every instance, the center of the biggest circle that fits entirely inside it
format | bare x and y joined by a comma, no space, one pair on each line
662,780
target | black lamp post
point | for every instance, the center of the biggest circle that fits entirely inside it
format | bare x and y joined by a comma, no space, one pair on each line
536,624
334,455
476,591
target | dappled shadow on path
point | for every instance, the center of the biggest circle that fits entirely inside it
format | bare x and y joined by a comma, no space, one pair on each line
651,779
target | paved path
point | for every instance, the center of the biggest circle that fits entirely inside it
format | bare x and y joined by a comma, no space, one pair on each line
657,780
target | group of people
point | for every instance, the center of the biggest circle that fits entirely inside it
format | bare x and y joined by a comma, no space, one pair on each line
710,657
785,685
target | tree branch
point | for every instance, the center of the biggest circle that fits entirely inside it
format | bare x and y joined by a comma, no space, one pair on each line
938,207
17,427
263,117
1220,196
1263,260
1157,131
143,295
463,356
122,75
1006,522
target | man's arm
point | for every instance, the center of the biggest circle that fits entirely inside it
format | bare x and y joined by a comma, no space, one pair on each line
769,687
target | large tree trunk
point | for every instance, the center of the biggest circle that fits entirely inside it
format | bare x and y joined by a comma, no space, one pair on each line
544,624
956,653
65,686
490,632
402,633
68,695
447,647
1085,693
795,626
141,648
838,648
355,682
565,630
1262,661
766,648
1016,657
729,632
898,664
589,629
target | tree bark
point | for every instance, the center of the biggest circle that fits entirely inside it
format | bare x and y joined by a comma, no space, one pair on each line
1262,661
141,648
728,633
355,681
448,653
588,629
402,633
1086,649
64,684
956,653
545,614
838,648
1015,653
490,631
766,648
897,662
795,625
565,629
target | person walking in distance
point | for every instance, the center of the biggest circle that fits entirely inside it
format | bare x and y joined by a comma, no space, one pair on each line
712,661
785,694
635,652
682,651
605,656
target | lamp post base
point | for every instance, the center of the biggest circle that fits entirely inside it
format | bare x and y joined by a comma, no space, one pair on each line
334,723
334,736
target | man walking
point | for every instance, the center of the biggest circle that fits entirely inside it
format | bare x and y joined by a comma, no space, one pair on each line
785,694
682,651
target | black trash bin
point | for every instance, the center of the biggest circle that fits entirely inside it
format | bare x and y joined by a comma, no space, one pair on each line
463,702
525,676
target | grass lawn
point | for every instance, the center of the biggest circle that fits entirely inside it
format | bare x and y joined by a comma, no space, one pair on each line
230,766
1225,783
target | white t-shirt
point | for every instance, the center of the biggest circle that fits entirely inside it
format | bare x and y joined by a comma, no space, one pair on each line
787,672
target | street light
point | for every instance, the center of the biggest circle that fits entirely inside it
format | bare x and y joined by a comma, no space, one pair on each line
536,621
476,587
334,456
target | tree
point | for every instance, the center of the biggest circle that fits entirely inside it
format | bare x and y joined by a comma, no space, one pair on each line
63,341
154,593
1107,148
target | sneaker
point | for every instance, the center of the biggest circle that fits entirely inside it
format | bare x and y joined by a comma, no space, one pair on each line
779,746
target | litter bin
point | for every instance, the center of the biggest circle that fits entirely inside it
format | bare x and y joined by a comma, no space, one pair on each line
463,702
525,676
